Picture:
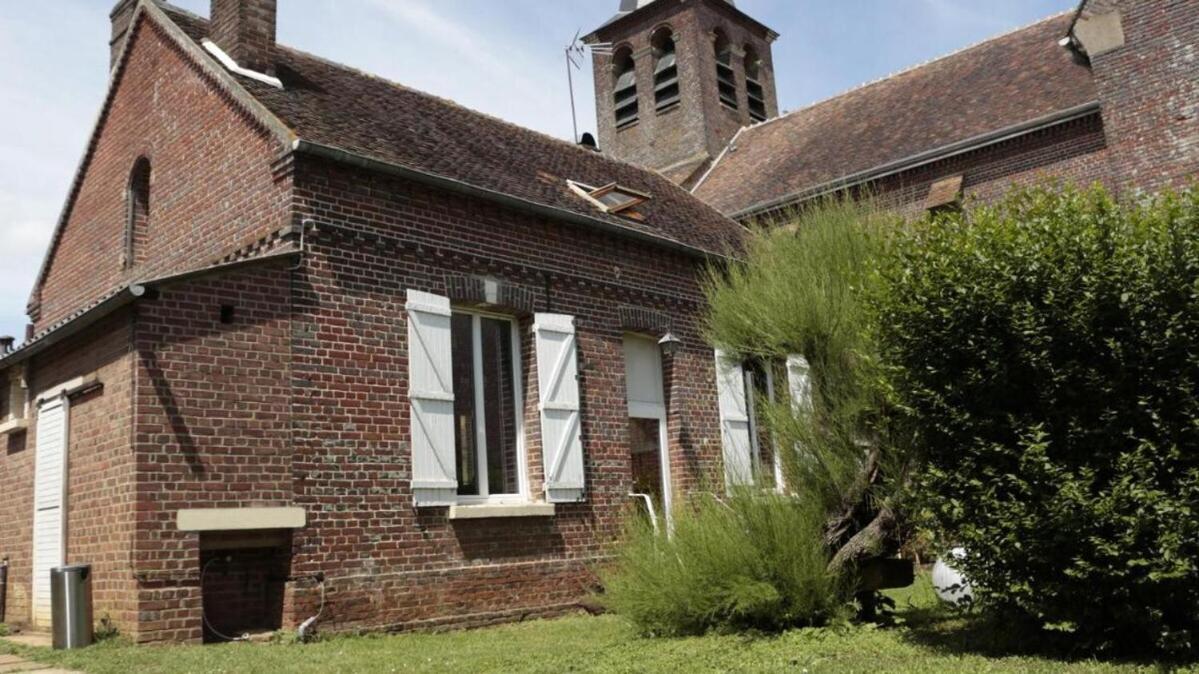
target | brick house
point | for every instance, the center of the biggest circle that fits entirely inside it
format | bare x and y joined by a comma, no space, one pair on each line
310,343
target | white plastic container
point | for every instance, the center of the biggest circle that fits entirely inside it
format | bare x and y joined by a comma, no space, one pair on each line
949,583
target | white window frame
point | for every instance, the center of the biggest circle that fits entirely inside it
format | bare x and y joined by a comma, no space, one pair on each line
522,464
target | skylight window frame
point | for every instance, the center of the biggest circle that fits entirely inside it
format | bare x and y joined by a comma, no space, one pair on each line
593,196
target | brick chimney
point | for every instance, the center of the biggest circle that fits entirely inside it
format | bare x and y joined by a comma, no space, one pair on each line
121,15
245,30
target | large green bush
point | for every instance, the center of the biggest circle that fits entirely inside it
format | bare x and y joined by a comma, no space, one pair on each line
750,560
1047,349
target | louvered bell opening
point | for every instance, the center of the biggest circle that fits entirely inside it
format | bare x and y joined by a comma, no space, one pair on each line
666,71
666,83
726,80
625,98
757,100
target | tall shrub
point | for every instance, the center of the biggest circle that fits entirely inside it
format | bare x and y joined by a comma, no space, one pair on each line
1047,349
745,561
801,289
761,560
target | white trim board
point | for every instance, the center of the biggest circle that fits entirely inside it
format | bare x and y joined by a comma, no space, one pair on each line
232,66
239,519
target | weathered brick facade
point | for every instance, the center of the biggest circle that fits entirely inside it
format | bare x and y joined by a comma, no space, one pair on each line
211,179
1149,91
256,354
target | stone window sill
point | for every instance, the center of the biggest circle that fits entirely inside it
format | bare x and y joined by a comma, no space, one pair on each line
240,519
500,510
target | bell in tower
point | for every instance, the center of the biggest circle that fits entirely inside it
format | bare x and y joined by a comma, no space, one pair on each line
682,77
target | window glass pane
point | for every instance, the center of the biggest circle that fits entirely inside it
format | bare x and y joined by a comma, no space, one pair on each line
499,395
758,394
465,439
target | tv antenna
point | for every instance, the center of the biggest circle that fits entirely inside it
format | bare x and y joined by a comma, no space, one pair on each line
576,53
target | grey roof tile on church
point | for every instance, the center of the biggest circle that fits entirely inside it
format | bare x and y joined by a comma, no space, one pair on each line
1004,82
336,106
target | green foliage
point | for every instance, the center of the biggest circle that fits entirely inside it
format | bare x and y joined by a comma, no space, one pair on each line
1047,349
800,289
927,640
751,561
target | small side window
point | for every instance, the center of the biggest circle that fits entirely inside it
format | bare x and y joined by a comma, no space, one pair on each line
137,218
13,402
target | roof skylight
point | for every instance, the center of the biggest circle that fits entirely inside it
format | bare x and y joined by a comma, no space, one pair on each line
612,198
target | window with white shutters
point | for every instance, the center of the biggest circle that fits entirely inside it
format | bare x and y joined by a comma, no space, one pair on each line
558,390
799,382
487,418
735,428
431,399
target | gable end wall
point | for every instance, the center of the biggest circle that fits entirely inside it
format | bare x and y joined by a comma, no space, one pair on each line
212,186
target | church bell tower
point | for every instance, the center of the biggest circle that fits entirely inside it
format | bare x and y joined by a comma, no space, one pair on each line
682,78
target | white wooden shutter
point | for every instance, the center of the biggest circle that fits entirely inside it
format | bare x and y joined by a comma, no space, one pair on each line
734,421
799,382
431,397
799,387
558,388
49,501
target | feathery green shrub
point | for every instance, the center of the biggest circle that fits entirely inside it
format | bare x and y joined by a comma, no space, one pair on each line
750,560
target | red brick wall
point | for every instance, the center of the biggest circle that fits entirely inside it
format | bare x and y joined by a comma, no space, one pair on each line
211,180
212,426
100,474
392,565
1149,92
16,521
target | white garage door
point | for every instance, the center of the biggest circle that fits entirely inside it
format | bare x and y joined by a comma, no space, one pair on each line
48,502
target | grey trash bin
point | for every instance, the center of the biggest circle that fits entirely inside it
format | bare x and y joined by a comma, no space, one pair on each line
71,605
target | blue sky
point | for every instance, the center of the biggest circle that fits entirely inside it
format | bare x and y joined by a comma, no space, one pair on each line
503,57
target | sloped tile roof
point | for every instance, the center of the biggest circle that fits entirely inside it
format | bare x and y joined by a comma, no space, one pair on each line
336,106
1003,82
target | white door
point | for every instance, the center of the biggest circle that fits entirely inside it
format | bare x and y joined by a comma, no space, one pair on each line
49,492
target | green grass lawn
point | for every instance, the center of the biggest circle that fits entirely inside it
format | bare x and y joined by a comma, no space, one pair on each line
926,640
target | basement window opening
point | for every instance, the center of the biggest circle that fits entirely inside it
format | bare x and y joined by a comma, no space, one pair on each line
612,198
